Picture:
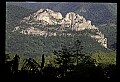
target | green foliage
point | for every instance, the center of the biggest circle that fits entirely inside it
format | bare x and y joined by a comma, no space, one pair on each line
64,60
32,46
10,56
63,57
61,64
35,45
50,60
7,57
38,59
14,16
43,61
21,62
105,59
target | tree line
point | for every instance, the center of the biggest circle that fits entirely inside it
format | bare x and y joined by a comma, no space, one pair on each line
69,63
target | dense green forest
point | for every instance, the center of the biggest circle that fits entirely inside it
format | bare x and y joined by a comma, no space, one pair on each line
77,57
24,44
66,63
34,45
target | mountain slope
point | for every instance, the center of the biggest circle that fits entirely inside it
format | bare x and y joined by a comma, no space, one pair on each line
38,45
44,18
98,13
14,14
31,44
45,31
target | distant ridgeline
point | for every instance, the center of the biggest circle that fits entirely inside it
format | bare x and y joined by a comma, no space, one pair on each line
45,31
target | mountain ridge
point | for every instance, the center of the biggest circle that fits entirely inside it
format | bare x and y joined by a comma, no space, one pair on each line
100,11
72,21
32,44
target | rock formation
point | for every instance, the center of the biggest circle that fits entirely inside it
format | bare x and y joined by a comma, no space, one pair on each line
46,17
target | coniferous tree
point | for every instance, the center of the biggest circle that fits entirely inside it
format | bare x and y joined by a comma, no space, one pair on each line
64,59
43,61
15,63
77,50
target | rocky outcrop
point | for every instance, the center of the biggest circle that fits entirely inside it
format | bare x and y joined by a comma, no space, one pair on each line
46,15
72,21
100,39
76,22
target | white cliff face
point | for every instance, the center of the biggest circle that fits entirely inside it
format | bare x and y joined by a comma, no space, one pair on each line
72,21
16,28
78,22
47,15
57,15
100,39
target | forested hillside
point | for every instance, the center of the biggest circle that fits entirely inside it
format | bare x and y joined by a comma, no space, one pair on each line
95,12
14,14
60,41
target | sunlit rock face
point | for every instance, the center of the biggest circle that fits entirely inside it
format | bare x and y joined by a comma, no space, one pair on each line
47,15
42,18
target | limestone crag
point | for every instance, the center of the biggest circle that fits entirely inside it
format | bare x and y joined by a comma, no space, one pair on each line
43,23
46,15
